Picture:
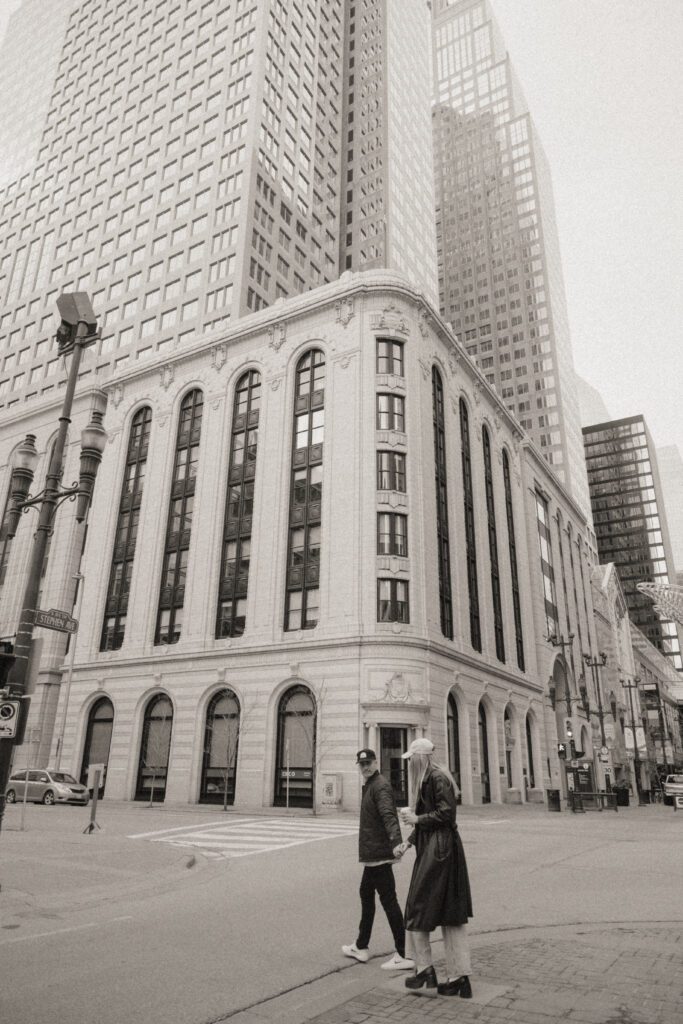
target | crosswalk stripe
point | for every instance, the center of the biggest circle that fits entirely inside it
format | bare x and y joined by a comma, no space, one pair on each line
246,836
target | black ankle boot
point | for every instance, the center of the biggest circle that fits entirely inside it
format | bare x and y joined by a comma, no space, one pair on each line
426,978
460,987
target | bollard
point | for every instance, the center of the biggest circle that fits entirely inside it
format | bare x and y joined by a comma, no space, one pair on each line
92,824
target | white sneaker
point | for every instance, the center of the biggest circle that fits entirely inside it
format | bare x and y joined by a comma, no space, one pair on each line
398,963
358,954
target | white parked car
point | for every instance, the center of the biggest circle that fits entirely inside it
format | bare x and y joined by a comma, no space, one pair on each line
673,786
46,786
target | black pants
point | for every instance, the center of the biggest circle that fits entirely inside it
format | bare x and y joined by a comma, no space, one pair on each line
380,880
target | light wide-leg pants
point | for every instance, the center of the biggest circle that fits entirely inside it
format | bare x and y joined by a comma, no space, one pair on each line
456,948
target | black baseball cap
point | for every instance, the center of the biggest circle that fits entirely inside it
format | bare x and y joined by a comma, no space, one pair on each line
365,755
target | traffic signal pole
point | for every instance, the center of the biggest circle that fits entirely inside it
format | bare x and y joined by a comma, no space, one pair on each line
47,506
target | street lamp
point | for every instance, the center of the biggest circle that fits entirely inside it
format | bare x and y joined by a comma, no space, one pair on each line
78,330
636,759
594,664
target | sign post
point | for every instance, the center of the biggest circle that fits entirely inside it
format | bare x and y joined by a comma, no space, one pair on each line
96,776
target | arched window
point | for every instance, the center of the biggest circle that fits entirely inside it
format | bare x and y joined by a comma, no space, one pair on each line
234,581
443,554
484,755
220,749
546,549
176,548
530,754
155,749
493,548
453,731
116,608
98,739
303,549
295,748
512,547
470,538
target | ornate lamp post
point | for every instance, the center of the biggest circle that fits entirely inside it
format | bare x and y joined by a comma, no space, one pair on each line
594,664
77,331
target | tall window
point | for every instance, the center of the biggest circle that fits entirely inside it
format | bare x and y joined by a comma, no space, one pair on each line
444,558
453,731
390,412
295,758
234,581
220,749
530,754
116,608
174,572
516,605
98,739
392,534
493,548
155,749
543,524
470,538
392,601
391,471
390,357
303,554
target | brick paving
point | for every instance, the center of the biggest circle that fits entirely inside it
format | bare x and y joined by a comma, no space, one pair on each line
611,974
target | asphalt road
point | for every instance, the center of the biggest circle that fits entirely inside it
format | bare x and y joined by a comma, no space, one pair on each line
189,945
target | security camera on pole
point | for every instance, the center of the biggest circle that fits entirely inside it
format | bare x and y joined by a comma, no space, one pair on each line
76,332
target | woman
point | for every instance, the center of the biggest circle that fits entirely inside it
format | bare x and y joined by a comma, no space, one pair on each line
439,891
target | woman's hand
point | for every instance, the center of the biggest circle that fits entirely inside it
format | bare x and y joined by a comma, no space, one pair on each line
409,817
400,850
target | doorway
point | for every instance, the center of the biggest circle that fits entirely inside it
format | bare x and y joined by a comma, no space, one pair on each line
393,744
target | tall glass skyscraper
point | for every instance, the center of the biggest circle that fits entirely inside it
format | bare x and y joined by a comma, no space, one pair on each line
388,178
191,173
630,522
500,277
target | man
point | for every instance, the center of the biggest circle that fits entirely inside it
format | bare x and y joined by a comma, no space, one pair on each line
379,845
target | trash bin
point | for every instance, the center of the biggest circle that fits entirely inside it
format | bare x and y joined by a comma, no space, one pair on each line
553,797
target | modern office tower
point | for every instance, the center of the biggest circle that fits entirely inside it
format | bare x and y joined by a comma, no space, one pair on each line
387,190
500,277
670,465
28,62
191,173
630,521
185,176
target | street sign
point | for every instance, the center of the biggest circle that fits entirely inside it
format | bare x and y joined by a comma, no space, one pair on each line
56,619
9,718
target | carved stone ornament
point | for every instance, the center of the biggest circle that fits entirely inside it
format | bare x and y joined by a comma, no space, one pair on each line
294,669
424,366
344,310
275,382
277,334
220,674
116,395
166,375
112,435
478,387
389,319
397,690
219,356
422,324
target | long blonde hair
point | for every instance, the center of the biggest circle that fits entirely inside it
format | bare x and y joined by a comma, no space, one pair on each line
418,765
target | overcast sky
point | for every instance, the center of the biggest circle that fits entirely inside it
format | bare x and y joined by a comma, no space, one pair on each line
604,86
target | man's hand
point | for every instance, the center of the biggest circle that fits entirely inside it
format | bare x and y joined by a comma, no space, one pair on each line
400,850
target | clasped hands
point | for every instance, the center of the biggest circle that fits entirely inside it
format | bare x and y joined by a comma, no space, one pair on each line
400,850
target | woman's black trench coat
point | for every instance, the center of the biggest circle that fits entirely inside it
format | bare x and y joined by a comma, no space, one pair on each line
440,888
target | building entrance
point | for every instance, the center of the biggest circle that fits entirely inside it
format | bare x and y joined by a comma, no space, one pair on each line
393,744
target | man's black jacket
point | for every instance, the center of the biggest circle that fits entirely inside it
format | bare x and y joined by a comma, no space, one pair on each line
379,830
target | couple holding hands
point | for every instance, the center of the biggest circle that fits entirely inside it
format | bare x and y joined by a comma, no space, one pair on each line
439,893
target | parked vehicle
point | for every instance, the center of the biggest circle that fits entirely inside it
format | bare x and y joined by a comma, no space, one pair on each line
673,786
46,786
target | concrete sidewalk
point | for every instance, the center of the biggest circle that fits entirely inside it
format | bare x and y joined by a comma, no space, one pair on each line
598,974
